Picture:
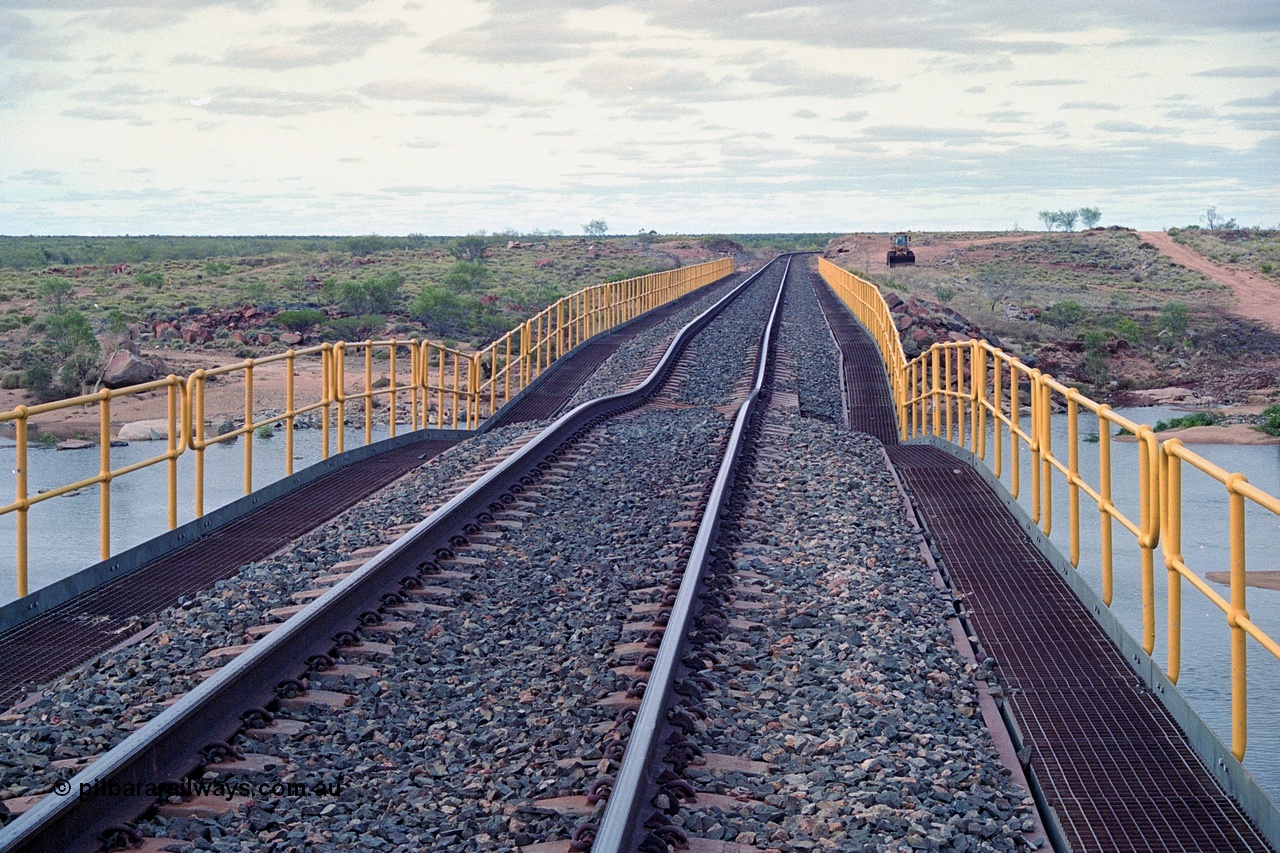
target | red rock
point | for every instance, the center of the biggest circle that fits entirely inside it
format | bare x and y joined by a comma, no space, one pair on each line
290,338
125,368
239,338
264,339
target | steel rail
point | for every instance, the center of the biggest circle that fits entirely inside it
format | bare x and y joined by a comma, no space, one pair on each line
113,788
621,829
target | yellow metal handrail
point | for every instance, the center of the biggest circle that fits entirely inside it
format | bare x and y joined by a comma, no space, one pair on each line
23,501
953,389
521,355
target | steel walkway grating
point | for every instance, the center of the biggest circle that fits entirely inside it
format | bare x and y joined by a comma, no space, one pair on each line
70,634
1116,769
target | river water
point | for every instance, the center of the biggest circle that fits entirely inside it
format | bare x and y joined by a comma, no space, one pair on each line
64,538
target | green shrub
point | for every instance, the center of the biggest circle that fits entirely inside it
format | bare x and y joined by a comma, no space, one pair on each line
37,378
1270,420
1063,314
944,293
300,319
265,431
1194,419
353,328
373,295
11,380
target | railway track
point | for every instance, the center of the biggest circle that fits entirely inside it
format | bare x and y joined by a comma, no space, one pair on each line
502,675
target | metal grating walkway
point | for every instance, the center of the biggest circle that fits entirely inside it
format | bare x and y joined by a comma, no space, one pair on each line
1114,766
71,633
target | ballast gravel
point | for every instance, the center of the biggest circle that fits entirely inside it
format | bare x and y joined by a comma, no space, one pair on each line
850,686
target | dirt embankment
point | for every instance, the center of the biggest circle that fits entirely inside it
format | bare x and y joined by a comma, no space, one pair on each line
1256,298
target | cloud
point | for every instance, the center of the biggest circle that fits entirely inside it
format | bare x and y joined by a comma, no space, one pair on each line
96,113
854,115
137,19
804,114
249,101
422,143
339,5
791,79
1128,127
1060,81
1242,71
1190,113
950,137
1089,105
626,80
520,38
430,90
32,82
1007,116
280,57
1272,100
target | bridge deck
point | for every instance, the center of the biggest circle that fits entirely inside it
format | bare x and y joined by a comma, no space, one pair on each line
67,635
1114,766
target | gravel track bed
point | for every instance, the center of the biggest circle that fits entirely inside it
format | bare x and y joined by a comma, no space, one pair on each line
455,759
619,370
89,710
451,757
732,338
816,359
852,687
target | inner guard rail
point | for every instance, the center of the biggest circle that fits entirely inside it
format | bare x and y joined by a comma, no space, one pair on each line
956,390
423,384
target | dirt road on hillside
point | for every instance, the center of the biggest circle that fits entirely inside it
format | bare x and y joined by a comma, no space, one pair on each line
1256,297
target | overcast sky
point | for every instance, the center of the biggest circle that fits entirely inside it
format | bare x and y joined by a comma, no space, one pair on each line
448,116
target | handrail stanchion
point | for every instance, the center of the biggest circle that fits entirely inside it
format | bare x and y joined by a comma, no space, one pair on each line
20,499
1238,611
1073,474
1147,459
248,427
1171,545
104,473
288,408
368,392
340,393
1105,505
174,406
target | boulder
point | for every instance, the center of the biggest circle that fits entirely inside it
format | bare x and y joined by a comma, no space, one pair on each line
125,368
290,338
264,339
154,430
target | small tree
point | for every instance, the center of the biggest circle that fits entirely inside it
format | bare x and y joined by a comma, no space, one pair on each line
1063,314
469,248
1089,216
1174,318
1067,219
466,276
596,228
1049,218
55,291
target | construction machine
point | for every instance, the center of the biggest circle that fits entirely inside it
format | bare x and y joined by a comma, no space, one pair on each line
900,253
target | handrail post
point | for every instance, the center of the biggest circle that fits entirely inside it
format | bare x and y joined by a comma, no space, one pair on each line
934,391
340,392
1239,679
288,411
1036,496
174,408
1104,508
1171,546
1073,475
196,393
368,392
104,471
248,426
327,395
20,487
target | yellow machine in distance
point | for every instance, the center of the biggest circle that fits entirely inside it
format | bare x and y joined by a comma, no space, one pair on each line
900,253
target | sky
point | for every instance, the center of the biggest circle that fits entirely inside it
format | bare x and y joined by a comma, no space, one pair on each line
453,116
